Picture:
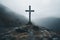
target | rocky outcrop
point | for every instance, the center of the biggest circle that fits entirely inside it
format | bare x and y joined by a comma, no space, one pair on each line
28,32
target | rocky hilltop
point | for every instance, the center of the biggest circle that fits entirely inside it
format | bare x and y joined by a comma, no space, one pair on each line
28,32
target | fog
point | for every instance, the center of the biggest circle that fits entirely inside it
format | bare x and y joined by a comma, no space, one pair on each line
43,8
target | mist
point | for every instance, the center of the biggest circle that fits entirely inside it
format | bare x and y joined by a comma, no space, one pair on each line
43,8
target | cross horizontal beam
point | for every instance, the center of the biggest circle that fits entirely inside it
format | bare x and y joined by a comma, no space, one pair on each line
29,10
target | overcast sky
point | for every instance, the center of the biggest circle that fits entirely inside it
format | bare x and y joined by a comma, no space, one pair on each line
43,8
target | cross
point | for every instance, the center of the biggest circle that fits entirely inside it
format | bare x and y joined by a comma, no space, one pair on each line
29,13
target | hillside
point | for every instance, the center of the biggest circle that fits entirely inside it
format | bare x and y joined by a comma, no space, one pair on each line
9,19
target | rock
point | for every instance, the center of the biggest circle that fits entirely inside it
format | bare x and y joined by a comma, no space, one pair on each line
29,32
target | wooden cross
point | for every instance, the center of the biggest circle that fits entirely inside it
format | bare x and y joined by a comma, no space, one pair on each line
29,13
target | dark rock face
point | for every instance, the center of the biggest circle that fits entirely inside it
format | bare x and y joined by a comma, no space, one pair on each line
20,30
36,28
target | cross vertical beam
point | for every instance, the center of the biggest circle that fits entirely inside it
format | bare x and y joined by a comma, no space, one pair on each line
29,13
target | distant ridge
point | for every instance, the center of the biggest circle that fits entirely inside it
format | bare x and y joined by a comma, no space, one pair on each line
50,23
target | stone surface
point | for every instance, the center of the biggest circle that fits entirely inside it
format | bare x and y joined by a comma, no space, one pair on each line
28,32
